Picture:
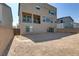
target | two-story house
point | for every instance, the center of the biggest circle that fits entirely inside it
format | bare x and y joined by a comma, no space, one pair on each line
37,18
65,22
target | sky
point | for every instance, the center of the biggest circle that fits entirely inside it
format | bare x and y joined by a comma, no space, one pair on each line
63,9
67,9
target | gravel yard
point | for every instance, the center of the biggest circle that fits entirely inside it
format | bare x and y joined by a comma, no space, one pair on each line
48,44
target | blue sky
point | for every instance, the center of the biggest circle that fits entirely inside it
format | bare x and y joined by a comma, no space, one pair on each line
63,9
67,9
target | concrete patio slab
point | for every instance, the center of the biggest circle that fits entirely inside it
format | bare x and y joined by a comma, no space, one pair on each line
46,36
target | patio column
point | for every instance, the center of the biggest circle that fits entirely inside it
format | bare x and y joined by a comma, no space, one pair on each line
32,19
31,27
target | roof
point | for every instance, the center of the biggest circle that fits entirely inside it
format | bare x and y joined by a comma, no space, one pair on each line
5,5
65,17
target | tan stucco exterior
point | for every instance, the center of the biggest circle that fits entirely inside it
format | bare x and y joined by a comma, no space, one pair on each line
44,11
6,31
5,15
6,35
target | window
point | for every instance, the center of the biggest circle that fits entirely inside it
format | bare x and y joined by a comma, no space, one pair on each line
36,19
27,19
24,18
52,12
37,7
43,20
61,21
46,19
51,21
27,29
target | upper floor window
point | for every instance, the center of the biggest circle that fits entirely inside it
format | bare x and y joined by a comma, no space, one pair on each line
61,21
52,12
27,19
37,7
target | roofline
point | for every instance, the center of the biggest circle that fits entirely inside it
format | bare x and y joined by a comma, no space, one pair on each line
65,17
52,6
5,5
41,3
9,8
18,9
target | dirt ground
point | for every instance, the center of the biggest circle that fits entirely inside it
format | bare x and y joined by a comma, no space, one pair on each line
61,44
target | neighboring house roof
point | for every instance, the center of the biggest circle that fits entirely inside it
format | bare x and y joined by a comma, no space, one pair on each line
62,18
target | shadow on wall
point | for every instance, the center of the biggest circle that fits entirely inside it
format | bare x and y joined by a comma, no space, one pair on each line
46,36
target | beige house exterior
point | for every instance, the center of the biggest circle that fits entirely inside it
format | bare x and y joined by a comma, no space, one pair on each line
6,31
5,16
37,18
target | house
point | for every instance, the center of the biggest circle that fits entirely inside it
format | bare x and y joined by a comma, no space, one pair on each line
65,22
6,31
67,19
5,16
37,18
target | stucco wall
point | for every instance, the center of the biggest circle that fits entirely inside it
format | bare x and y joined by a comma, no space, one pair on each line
5,15
44,11
0,14
6,34
36,28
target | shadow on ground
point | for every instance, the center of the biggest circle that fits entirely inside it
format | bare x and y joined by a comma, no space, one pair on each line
46,36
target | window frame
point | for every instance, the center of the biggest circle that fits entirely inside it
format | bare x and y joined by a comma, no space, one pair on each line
47,19
27,19
37,19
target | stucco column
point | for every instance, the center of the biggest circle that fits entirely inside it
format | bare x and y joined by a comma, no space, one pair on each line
32,19
31,26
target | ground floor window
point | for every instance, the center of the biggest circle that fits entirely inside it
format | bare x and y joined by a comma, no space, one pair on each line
47,19
50,29
27,29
